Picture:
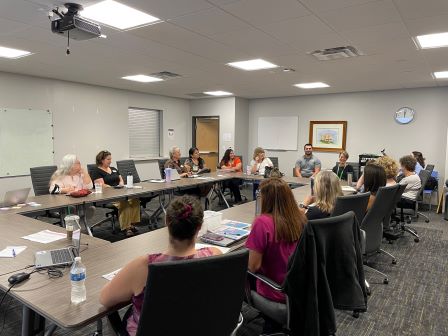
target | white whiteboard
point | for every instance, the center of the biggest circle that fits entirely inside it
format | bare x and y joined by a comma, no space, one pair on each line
26,140
278,133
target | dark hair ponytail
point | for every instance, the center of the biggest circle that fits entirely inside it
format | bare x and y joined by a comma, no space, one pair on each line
184,218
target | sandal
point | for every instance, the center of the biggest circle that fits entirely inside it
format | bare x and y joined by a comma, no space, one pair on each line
133,229
129,233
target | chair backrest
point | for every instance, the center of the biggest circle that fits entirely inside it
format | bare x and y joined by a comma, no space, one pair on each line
356,203
90,168
183,159
162,167
373,220
274,160
127,167
429,167
40,178
424,177
200,297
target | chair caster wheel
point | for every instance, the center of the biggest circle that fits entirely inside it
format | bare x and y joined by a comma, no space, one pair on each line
426,220
416,240
368,291
386,281
355,314
394,262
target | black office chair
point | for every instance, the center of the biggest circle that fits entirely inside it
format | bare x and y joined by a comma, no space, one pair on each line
430,168
161,163
40,178
111,216
127,167
372,225
200,297
414,204
391,220
318,279
356,203
274,160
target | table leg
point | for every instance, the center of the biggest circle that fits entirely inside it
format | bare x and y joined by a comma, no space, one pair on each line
51,329
220,194
32,323
81,209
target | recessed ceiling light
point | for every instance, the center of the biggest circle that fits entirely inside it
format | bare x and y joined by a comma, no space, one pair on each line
316,85
13,53
143,78
441,74
432,40
117,15
218,93
255,64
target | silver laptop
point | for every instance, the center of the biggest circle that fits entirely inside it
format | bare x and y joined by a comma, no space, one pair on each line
15,197
59,257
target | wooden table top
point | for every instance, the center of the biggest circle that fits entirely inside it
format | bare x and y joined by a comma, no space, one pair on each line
13,227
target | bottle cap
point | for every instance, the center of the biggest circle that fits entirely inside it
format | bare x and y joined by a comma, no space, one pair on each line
77,258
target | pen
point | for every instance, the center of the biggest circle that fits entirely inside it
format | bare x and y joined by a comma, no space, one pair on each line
13,253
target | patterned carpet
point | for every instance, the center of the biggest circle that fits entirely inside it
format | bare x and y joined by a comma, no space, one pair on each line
415,302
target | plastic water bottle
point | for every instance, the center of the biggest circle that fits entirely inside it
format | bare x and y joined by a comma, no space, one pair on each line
130,181
78,279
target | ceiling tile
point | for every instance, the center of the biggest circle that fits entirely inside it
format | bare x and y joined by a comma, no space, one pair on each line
260,12
427,25
369,14
413,9
210,22
325,5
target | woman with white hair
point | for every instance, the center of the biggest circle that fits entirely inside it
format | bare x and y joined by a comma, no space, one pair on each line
174,162
70,176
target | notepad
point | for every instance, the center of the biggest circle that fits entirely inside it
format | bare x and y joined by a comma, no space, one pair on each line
11,251
45,236
157,181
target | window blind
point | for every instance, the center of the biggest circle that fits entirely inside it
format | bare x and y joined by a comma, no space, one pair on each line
144,132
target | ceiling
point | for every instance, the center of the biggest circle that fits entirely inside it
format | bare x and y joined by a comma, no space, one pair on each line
198,37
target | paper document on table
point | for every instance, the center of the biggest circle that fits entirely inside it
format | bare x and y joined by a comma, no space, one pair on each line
45,236
157,181
11,251
205,178
224,250
111,275
348,189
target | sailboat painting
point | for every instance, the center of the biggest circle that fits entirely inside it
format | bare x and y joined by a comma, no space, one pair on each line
329,136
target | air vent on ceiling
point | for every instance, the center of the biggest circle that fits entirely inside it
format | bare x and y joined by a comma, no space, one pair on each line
336,53
198,95
165,75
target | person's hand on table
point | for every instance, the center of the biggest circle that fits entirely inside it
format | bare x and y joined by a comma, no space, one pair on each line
309,200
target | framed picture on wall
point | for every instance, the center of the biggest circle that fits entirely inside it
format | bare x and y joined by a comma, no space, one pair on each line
328,136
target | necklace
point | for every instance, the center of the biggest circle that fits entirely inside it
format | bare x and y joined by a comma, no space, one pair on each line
342,172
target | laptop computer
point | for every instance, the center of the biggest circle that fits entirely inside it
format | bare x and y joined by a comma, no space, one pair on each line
14,197
59,257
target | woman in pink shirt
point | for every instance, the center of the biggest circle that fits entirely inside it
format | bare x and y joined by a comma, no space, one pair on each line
70,177
274,235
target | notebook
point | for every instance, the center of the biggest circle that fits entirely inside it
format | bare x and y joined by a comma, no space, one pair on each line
227,233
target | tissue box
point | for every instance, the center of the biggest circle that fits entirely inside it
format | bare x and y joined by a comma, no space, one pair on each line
212,220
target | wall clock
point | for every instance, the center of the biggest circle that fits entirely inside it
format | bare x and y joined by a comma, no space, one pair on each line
404,115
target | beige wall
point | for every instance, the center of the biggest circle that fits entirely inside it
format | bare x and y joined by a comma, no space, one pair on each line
371,126
90,118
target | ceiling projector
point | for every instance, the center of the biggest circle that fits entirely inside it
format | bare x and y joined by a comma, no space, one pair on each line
68,23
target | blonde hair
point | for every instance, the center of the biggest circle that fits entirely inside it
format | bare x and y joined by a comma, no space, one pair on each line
257,150
345,153
389,165
327,188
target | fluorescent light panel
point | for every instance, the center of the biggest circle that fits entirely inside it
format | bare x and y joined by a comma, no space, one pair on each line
441,74
432,40
218,93
255,64
143,78
315,85
117,15
13,53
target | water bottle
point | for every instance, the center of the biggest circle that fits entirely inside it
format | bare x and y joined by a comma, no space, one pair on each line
257,203
312,185
78,278
130,181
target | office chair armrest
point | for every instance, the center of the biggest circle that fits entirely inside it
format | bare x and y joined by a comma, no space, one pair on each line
267,281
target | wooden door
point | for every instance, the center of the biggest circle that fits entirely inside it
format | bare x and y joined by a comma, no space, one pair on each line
206,139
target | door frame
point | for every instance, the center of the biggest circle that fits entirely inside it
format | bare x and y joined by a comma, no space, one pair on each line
193,130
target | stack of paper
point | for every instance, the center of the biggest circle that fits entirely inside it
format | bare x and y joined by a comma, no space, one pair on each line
45,236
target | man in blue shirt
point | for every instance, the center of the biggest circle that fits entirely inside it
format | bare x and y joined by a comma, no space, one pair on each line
308,165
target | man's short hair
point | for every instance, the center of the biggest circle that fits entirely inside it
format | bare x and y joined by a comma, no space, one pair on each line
308,144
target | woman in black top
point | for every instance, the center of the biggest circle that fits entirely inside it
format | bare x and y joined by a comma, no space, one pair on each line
342,168
128,211
326,190
195,163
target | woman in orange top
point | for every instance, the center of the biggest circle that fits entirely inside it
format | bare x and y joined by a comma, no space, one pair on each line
232,163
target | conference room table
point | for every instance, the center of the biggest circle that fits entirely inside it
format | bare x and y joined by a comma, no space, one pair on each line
50,298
